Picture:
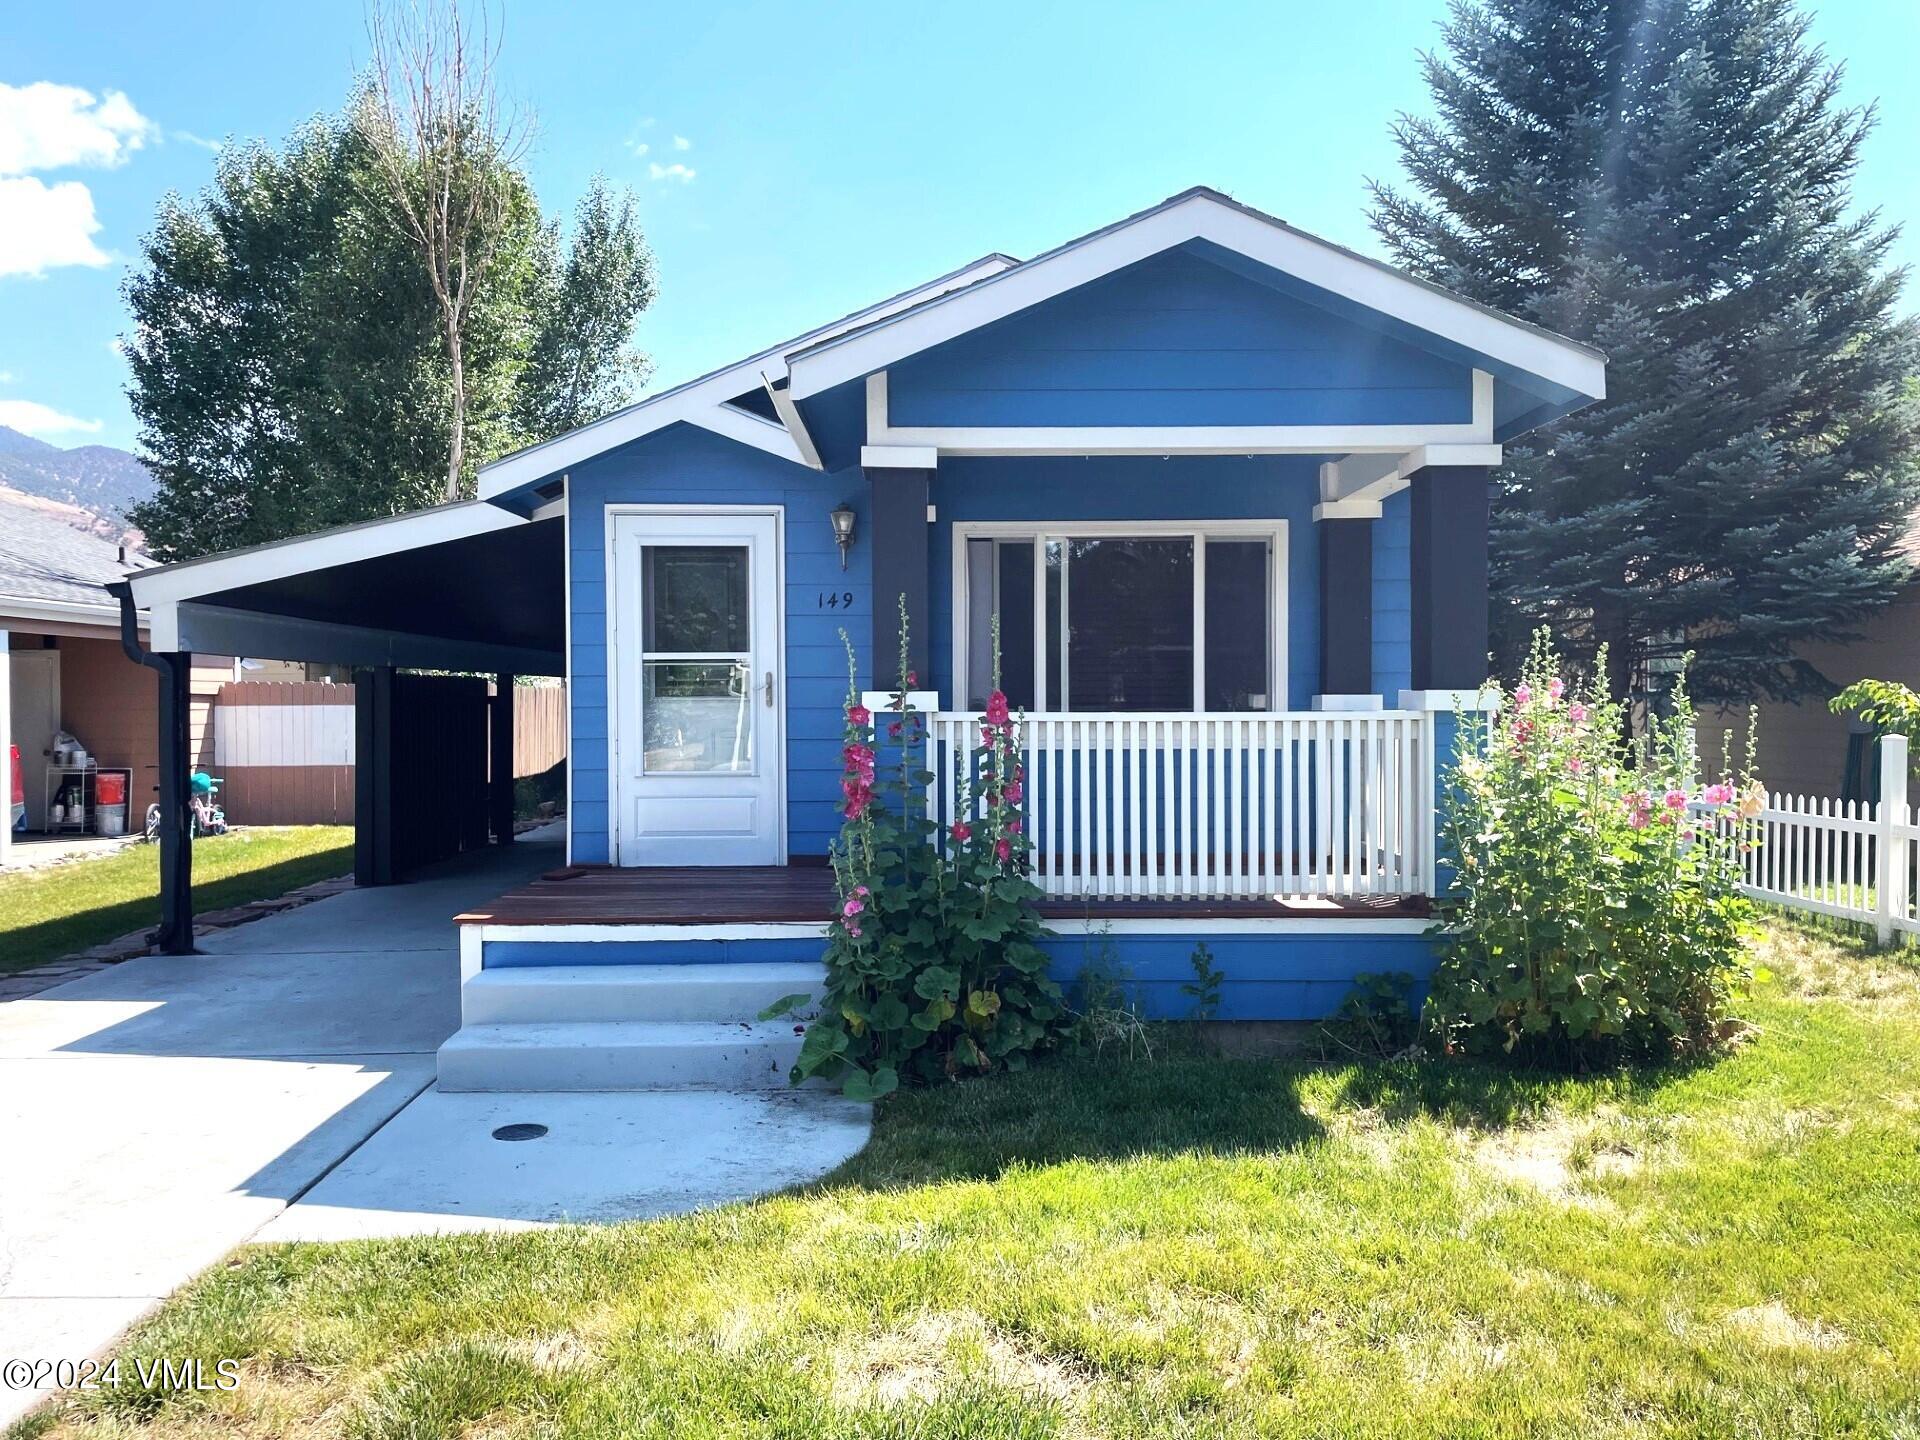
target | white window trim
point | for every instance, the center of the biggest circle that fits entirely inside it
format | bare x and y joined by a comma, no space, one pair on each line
1272,530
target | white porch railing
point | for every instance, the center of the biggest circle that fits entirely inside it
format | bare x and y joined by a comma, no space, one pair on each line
1848,859
1212,806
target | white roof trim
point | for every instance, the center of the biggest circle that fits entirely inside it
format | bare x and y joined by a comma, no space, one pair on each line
15,608
701,401
209,576
833,361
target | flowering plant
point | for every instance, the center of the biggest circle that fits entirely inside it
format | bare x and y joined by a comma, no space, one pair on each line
933,964
1596,907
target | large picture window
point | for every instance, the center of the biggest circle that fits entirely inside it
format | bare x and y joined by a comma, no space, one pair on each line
1144,617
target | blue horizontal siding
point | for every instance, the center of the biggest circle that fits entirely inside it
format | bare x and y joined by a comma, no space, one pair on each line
1393,597
1177,340
684,465
1267,977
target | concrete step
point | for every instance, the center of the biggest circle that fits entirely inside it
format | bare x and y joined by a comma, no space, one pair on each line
537,993
620,1055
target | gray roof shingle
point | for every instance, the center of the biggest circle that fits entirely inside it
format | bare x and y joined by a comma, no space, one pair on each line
44,558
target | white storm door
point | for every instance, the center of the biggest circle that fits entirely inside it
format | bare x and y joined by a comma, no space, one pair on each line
700,689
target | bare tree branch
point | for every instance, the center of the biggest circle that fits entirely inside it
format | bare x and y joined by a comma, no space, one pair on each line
446,150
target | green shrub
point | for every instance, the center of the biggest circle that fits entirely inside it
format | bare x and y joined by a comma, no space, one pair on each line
934,969
1597,908
1376,1018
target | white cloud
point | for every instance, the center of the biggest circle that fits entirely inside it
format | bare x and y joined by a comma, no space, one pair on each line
44,225
187,137
6,377
639,147
680,142
32,418
675,171
44,126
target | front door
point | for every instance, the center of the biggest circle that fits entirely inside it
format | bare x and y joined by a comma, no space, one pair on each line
698,689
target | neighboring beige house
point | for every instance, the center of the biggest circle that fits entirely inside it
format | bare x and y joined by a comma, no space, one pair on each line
62,666
1806,749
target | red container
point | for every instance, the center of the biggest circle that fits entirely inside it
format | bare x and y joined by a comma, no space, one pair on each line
110,788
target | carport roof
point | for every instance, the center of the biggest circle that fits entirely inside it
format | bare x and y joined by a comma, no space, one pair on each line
466,586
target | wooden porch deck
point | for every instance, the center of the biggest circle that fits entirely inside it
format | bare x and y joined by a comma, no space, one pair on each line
744,895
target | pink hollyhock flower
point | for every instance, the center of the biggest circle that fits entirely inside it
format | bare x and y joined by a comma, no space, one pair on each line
1555,688
1013,826
1674,799
893,731
913,679
1576,764
1014,792
853,930
1718,794
1638,820
997,713
1004,850
987,734
962,831
1577,713
862,891
1523,694
853,906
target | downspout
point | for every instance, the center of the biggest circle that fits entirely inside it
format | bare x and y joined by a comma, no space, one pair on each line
175,936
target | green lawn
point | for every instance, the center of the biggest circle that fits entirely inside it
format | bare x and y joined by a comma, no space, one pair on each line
45,914
1192,1247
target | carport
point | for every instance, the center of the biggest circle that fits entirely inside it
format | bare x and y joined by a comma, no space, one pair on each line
467,590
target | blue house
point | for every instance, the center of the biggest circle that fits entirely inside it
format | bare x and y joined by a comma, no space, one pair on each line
1220,486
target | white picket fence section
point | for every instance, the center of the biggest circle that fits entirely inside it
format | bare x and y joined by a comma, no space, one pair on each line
1211,806
1850,859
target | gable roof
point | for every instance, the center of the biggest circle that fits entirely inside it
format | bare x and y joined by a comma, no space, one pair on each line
47,565
704,400
996,286
1199,214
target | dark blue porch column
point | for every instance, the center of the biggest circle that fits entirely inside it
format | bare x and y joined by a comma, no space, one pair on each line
900,565
1449,565
1346,606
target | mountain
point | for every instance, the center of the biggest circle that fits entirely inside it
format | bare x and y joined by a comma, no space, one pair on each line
95,477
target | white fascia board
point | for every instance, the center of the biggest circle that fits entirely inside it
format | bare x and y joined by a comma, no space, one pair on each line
17,608
749,429
698,401
193,578
1198,217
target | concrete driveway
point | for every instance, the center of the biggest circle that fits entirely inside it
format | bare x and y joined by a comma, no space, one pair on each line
156,1114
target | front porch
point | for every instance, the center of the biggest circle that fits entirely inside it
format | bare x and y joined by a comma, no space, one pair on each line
718,897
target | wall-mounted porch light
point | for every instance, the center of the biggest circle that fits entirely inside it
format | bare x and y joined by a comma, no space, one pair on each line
842,518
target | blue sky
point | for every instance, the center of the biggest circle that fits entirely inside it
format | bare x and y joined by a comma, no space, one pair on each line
829,153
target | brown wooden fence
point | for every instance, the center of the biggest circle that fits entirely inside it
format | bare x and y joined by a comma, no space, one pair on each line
285,749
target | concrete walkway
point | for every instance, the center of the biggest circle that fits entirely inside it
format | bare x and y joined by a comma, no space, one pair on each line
158,1113
155,1114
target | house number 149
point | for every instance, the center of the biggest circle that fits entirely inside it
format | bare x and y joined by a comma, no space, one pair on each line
836,599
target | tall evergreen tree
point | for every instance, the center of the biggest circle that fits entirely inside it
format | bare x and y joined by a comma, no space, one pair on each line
1670,180
289,367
